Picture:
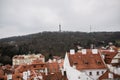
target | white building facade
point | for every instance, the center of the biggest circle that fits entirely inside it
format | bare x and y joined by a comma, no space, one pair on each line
87,72
27,59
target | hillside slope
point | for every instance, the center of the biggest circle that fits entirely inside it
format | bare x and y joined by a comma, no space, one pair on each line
53,43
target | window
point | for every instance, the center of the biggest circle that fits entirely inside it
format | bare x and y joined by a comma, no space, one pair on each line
24,66
78,77
34,66
90,73
98,62
42,65
102,72
97,72
75,63
86,62
65,73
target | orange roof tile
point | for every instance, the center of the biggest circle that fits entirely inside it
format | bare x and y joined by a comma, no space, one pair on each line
17,76
86,61
108,55
33,66
55,76
53,67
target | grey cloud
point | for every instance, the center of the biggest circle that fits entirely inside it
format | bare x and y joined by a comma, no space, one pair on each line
30,16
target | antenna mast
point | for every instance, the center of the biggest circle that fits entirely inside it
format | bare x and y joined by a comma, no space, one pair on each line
90,28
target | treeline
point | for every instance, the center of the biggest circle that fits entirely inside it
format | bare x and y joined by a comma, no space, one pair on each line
53,43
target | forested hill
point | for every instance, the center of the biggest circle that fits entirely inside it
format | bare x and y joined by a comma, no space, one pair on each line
53,43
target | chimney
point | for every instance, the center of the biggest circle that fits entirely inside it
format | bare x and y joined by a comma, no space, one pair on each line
103,56
50,61
46,71
79,47
91,46
40,77
28,73
9,77
111,49
84,51
74,66
54,60
118,50
25,75
94,51
72,51
110,75
62,71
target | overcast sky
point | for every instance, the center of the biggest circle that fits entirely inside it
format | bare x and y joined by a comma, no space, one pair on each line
21,17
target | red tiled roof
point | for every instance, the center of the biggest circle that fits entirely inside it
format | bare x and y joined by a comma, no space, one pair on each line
105,76
61,63
17,76
1,72
3,77
109,55
55,76
37,61
86,61
35,66
53,67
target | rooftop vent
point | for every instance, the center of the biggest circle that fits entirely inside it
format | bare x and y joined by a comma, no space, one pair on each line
84,51
94,51
72,51
110,75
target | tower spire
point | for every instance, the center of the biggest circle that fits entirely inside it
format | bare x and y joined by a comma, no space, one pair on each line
59,27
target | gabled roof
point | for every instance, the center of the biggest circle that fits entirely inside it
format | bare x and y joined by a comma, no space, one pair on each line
109,55
86,61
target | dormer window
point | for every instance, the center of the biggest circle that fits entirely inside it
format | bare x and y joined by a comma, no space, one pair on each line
42,65
24,66
75,63
98,62
34,66
86,62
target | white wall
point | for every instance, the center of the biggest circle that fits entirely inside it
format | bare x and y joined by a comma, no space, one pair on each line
116,58
66,62
94,73
114,69
115,61
9,77
73,74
